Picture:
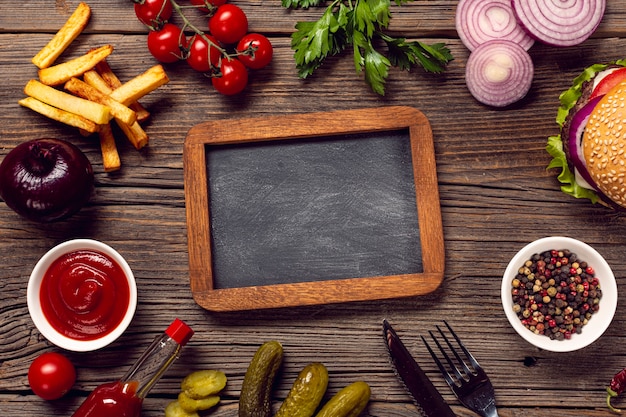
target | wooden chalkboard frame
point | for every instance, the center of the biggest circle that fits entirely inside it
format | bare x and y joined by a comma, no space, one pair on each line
312,125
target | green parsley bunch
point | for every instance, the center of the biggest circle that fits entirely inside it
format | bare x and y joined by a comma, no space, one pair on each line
360,23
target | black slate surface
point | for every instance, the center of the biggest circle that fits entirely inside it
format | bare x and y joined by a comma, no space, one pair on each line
312,209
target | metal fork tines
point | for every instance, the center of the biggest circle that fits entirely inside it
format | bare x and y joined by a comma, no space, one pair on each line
469,383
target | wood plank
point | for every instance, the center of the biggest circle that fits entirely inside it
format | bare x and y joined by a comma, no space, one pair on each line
496,196
418,18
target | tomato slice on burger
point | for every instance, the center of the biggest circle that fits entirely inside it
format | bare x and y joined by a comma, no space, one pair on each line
608,82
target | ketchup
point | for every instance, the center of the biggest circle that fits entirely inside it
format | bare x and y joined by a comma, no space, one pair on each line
84,294
112,399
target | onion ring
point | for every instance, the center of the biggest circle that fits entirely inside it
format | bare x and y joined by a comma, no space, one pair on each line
559,22
499,73
575,137
479,21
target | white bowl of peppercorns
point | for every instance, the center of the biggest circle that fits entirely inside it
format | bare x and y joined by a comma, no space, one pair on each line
559,294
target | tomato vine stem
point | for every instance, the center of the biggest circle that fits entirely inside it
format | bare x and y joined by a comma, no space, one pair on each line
187,24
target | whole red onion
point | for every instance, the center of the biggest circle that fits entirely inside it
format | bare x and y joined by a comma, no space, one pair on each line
46,180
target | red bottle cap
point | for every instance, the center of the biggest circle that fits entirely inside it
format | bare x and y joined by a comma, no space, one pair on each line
179,331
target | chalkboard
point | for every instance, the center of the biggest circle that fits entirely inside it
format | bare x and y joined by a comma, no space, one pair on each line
311,209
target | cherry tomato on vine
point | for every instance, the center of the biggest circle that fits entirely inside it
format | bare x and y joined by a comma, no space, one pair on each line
232,77
203,57
229,24
154,13
255,51
165,44
51,375
209,3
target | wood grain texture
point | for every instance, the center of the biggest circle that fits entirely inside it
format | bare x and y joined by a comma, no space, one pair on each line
495,194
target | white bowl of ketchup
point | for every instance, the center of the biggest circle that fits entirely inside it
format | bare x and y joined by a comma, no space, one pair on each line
82,295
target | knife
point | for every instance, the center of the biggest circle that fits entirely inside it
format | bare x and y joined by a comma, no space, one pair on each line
427,398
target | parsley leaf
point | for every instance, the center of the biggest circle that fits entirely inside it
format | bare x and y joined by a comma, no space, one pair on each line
381,11
376,70
304,4
404,55
360,23
365,20
374,64
314,41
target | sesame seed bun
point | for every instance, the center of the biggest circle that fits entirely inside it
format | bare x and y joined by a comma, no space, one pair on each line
604,145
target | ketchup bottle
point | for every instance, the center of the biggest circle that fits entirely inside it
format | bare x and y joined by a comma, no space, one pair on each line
123,398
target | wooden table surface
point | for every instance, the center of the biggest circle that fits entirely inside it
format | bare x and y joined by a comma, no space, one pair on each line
496,195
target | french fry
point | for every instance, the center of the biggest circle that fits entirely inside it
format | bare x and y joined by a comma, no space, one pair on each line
85,133
86,91
131,91
142,113
60,73
59,115
94,79
110,156
108,76
135,134
133,131
90,110
104,69
64,37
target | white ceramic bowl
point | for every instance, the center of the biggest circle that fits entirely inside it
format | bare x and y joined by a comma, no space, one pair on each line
598,322
34,304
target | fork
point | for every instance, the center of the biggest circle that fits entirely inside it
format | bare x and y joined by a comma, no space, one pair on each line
470,383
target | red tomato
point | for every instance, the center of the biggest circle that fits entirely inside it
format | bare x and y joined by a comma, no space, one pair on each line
232,77
51,375
203,57
165,44
154,13
211,3
255,50
229,24
608,82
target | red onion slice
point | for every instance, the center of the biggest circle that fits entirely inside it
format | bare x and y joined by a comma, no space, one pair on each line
575,138
479,21
499,73
559,22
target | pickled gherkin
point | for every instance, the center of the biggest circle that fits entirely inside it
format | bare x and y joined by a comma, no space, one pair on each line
197,404
174,409
348,402
198,392
200,384
256,390
306,392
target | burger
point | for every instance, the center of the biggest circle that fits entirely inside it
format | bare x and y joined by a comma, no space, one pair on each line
590,148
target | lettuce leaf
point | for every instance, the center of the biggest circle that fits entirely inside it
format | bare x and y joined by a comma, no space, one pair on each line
567,177
569,97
